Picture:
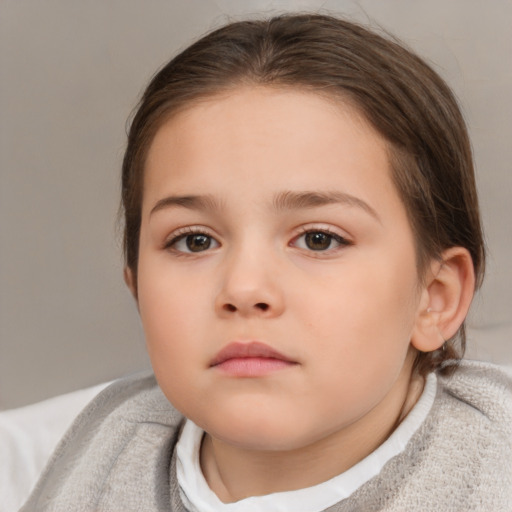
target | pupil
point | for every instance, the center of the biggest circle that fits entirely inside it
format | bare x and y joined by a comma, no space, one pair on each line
318,241
196,243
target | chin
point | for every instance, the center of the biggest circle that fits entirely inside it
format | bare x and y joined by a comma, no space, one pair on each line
260,432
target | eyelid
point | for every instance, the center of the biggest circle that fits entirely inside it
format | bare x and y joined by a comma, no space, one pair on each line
325,228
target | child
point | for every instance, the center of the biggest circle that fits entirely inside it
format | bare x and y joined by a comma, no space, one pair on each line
303,241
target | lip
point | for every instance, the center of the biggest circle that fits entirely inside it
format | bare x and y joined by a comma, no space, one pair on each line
253,359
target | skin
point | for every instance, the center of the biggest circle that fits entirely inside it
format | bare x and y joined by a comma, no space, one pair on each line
346,316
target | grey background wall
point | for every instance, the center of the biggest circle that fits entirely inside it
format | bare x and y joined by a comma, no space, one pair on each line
70,74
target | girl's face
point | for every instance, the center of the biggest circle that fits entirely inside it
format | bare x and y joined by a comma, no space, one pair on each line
277,279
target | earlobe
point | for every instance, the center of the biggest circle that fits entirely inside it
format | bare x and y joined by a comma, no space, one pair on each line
130,281
445,299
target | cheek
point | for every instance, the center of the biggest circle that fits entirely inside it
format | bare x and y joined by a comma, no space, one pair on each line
169,327
170,307
367,313
360,343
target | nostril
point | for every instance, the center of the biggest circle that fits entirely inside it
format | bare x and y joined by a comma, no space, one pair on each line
231,308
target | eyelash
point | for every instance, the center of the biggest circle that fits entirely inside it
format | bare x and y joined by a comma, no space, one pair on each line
338,239
182,234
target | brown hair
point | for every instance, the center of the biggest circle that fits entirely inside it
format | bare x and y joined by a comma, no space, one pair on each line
398,93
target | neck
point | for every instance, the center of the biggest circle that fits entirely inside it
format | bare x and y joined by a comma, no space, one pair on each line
235,473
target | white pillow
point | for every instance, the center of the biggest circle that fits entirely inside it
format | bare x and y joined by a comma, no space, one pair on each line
28,436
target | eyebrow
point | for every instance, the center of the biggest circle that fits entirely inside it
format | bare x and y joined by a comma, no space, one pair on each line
203,202
287,200
300,200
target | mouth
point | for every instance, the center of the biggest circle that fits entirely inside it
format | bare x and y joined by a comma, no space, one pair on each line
254,359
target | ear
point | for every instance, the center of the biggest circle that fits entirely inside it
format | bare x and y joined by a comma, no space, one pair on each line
130,281
445,299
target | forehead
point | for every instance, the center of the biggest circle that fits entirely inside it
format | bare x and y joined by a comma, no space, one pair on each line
267,109
290,139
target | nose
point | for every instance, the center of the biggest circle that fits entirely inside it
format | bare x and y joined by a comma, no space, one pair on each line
250,288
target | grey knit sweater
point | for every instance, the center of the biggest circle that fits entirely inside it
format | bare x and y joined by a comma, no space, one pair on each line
119,454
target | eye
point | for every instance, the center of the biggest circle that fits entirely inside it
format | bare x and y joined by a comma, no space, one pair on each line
319,240
192,242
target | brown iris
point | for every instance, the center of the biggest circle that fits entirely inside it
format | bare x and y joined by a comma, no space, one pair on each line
198,243
318,241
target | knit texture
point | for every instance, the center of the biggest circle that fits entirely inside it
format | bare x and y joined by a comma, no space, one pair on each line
119,454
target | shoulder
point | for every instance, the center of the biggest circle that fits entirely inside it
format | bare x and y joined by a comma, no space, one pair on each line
474,407
481,390
469,436
461,456
131,400
125,432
